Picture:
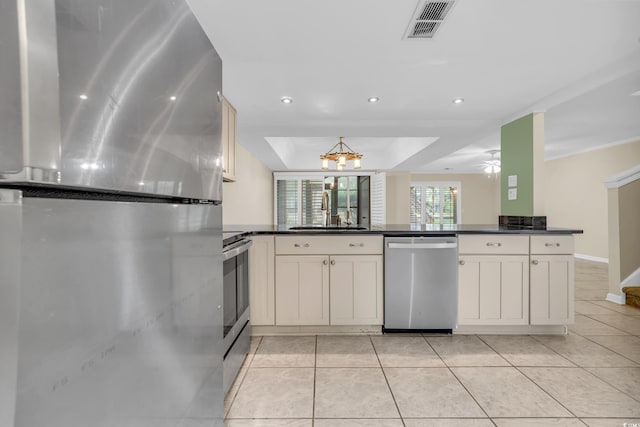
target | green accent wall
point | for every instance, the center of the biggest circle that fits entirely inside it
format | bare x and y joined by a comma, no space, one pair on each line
516,158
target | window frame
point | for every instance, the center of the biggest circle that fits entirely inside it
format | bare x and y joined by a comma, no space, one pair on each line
299,177
423,184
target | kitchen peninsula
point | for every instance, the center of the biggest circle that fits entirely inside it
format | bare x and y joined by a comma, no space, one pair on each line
510,280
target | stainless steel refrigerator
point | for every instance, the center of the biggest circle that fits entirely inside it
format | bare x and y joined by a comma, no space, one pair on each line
110,215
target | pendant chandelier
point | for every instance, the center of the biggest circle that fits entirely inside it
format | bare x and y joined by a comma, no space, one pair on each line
341,153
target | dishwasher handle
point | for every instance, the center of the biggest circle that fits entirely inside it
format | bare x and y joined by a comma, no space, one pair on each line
443,245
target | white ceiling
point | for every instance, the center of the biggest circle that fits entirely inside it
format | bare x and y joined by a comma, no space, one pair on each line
576,60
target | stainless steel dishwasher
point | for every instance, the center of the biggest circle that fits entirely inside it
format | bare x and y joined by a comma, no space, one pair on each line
420,284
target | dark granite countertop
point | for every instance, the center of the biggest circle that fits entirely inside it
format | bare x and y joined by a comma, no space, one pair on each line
399,229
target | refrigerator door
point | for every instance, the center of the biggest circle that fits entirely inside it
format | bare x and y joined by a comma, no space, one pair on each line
10,229
120,314
10,114
139,98
117,95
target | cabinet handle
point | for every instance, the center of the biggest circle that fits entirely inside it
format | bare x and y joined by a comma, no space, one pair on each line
298,245
534,262
461,262
219,96
494,244
324,262
333,262
557,245
353,245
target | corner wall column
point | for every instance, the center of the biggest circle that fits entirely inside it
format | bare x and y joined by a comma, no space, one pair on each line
522,160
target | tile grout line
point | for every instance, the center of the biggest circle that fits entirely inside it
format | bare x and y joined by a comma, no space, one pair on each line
575,365
527,377
465,387
434,350
605,347
387,381
545,391
604,323
495,351
613,311
612,385
598,344
469,393
586,337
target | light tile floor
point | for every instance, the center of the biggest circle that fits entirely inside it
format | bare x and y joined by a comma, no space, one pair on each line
590,377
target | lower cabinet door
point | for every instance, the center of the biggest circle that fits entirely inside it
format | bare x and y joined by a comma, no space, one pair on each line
302,290
493,290
552,289
356,290
262,281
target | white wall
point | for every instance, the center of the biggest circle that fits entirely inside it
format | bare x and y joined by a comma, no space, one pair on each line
398,184
480,196
248,200
575,196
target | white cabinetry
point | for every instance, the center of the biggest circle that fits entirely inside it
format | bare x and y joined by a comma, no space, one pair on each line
229,115
356,290
493,280
302,290
329,280
552,280
262,280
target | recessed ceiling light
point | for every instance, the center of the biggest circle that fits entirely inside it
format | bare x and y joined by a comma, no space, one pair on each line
83,97
373,99
458,101
173,98
636,93
286,100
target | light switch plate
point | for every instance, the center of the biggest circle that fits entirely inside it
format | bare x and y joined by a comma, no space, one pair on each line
513,180
513,194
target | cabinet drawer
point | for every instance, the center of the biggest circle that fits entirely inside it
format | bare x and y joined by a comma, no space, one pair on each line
550,244
328,245
493,244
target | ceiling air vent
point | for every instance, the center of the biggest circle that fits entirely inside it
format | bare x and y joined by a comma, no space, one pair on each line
427,19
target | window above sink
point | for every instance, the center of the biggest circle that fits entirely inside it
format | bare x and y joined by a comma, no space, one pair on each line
298,199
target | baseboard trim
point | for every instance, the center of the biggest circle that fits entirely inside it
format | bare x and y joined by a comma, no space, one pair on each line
618,299
592,258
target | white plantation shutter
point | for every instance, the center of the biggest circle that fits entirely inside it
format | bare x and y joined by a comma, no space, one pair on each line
378,199
415,205
312,190
298,201
434,203
287,201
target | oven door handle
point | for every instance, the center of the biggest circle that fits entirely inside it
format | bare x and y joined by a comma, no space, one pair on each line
237,250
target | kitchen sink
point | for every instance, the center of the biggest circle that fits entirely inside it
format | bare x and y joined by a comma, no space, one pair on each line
331,227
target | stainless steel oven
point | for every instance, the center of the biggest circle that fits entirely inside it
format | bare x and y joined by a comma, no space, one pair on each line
235,304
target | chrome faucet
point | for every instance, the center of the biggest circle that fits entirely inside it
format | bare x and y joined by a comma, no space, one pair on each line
326,214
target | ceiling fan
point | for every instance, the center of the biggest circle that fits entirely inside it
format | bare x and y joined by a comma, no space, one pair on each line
492,166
